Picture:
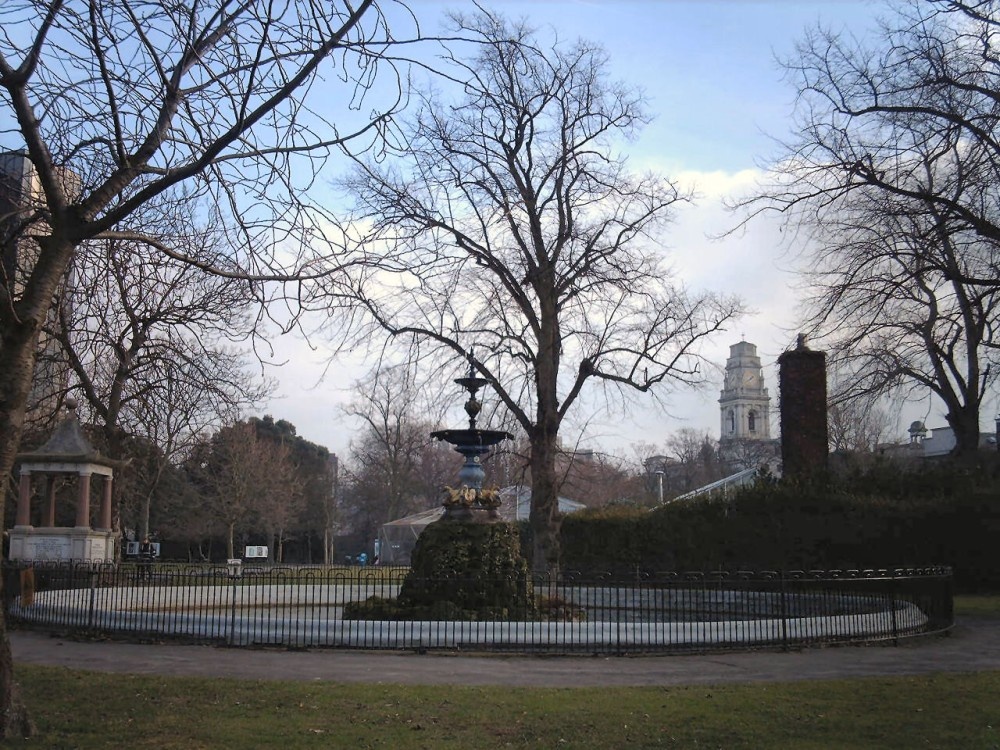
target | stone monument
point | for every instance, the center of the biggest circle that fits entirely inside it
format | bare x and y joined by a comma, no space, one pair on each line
66,455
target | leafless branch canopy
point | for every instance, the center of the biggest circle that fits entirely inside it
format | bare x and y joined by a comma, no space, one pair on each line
206,103
891,178
510,232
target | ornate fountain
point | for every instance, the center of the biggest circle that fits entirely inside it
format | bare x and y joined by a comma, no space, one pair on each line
469,501
468,565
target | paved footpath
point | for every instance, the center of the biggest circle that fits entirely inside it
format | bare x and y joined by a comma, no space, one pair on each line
973,645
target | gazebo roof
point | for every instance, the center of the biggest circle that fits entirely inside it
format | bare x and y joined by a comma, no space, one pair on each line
66,445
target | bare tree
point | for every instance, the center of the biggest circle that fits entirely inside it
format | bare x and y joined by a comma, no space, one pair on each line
394,466
696,459
897,324
892,175
117,104
512,229
247,480
597,479
149,338
858,426
310,508
256,477
913,116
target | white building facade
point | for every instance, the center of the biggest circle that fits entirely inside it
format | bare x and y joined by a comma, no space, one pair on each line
744,403
745,440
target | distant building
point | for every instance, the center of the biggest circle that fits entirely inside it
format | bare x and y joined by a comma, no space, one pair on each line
745,440
940,441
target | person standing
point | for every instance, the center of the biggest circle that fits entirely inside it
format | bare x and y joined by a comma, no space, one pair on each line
146,554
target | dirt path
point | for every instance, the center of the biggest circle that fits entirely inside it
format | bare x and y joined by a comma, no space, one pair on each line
973,645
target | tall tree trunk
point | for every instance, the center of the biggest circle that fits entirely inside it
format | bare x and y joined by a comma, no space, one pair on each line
144,517
544,518
964,422
229,541
20,323
16,369
544,434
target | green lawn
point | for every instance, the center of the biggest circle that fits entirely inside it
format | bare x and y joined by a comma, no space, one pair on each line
977,605
84,710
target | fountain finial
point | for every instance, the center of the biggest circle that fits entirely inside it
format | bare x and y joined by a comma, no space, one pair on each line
472,384
473,444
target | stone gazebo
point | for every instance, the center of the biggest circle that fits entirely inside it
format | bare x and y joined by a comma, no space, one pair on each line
67,455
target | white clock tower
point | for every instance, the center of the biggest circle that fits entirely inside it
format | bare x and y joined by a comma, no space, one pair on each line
744,403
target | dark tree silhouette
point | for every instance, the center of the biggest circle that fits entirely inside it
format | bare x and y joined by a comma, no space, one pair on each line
116,104
891,178
512,236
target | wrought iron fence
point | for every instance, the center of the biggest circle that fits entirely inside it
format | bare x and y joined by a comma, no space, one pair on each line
319,607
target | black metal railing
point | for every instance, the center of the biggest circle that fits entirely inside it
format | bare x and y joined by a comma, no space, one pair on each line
355,608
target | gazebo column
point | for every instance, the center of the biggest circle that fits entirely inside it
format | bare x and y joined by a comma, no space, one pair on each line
106,505
24,500
83,501
50,515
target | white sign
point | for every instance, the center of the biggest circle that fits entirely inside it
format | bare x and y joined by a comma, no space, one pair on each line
132,549
259,551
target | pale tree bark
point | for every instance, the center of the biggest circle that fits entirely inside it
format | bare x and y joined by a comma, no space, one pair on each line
117,104
512,236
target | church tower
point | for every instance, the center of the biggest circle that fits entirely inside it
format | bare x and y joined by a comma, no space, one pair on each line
744,403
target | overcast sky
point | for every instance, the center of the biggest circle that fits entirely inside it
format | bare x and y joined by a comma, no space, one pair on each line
709,73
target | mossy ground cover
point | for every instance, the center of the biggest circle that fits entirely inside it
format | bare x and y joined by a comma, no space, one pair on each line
75,709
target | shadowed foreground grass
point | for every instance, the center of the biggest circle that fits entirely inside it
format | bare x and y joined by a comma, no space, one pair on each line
75,709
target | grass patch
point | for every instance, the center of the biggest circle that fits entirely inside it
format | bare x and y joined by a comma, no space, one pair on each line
977,605
75,709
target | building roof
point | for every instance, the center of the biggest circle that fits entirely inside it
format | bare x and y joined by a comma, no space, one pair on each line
515,505
66,445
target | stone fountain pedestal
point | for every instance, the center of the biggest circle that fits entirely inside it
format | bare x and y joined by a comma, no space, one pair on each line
468,565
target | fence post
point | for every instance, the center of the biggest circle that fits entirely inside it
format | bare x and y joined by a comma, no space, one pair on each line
892,607
232,609
784,611
948,600
92,575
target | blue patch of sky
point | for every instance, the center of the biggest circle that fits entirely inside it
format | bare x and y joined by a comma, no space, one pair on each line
708,68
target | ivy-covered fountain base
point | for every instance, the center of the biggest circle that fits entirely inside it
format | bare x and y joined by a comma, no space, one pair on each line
468,565
460,570
468,570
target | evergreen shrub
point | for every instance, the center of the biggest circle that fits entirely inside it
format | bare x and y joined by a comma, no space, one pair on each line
886,515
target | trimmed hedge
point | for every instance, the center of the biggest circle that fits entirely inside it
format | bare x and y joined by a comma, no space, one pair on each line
885,516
